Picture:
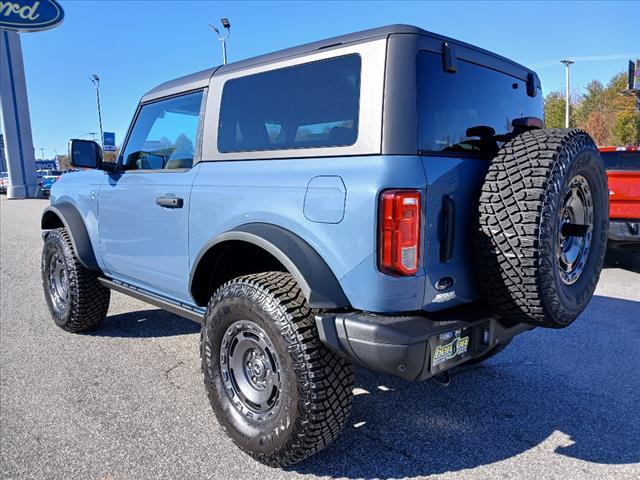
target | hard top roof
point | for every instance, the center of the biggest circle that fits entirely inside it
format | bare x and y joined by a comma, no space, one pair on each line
201,79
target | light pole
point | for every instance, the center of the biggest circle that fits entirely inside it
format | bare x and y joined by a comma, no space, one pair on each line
42,153
96,83
567,64
223,38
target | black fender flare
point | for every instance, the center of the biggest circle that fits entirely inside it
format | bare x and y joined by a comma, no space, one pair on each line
317,281
72,221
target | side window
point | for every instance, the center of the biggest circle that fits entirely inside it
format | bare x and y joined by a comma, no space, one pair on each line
164,135
305,106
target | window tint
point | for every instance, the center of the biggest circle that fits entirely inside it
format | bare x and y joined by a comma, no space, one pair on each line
621,160
630,161
469,110
611,160
164,135
310,105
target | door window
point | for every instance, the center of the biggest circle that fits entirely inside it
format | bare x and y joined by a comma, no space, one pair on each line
164,134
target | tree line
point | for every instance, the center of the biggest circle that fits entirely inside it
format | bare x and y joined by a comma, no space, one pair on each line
608,113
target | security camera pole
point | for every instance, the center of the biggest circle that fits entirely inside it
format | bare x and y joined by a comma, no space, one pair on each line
96,83
567,64
223,38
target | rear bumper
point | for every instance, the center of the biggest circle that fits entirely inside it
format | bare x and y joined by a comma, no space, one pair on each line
624,231
403,345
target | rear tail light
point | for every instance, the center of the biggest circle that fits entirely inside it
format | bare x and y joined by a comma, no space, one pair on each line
399,230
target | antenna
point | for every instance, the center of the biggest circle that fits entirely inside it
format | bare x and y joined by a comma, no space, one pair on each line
223,38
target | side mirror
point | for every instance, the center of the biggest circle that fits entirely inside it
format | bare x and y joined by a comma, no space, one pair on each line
85,154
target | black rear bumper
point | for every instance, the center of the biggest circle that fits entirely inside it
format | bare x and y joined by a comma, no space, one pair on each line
403,345
624,231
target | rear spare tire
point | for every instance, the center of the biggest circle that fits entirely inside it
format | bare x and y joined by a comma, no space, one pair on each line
542,230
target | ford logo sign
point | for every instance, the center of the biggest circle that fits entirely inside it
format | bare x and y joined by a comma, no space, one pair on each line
30,15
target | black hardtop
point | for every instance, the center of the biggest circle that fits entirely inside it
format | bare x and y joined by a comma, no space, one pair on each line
201,79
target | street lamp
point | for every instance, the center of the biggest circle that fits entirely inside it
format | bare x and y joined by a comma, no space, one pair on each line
223,38
96,83
93,135
567,64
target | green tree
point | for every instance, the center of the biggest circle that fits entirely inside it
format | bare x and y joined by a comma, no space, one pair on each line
607,113
554,106
626,130
589,102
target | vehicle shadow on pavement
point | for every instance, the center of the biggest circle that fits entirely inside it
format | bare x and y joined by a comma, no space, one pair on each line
145,324
623,256
571,392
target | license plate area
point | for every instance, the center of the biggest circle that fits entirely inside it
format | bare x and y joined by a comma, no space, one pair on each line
450,348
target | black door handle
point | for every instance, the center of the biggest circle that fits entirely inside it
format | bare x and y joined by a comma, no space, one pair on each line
170,202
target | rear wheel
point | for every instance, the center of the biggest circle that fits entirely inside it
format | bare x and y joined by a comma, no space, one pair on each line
279,393
76,300
543,224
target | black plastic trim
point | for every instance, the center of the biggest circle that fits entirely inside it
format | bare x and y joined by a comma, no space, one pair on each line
315,278
448,229
624,230
401,345
185,311
449,59
74,224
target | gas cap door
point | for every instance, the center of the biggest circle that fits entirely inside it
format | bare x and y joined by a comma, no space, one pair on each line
324,199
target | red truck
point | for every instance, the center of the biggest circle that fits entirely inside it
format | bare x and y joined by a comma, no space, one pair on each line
623,169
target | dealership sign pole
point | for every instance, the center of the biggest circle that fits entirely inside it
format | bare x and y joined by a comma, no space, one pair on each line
20,16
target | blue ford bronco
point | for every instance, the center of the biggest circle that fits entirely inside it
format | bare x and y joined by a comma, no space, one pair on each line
388,198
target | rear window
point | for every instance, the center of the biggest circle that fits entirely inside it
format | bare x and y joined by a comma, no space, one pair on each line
306,106
468,111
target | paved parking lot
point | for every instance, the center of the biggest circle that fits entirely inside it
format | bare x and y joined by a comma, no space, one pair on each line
127,401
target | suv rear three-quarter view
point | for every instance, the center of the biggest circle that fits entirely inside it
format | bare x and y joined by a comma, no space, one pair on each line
388,198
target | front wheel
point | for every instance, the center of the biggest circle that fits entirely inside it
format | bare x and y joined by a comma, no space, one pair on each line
278,392
76,299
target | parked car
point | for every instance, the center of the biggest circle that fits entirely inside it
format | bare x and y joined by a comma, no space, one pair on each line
4,182
623,172
388,198
49,177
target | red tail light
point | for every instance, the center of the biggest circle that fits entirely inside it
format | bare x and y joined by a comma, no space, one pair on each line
399,229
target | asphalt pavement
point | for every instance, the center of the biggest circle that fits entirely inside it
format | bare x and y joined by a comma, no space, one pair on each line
128,402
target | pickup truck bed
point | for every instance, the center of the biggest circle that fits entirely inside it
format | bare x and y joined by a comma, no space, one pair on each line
623,172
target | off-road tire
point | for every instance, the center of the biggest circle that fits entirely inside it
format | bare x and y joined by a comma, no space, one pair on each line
87,300
517,239
316,383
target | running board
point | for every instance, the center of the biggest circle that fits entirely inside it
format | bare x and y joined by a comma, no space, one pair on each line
179,309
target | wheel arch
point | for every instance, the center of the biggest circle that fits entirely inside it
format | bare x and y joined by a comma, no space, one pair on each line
65,215
274,248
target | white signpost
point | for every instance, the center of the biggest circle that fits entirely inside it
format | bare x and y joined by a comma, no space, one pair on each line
20,16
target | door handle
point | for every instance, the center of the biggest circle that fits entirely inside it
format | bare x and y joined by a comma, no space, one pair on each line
170,202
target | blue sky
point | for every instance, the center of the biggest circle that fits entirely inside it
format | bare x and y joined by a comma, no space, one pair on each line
133,46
